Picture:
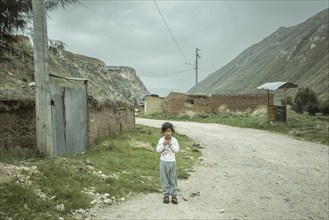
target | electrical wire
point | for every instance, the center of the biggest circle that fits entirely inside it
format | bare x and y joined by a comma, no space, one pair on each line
168,74
181,51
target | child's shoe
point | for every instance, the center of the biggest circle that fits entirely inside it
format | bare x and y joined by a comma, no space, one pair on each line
174,200
166,199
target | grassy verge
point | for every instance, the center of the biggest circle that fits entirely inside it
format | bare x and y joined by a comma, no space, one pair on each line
118,167
299,126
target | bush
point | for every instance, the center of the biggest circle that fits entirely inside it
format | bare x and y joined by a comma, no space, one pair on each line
298,106
324,107
312,109
306,100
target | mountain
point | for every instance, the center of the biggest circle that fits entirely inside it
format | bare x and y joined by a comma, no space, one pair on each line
124,79
104,82
297,54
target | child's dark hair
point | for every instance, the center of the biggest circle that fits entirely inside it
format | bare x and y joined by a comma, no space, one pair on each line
167,125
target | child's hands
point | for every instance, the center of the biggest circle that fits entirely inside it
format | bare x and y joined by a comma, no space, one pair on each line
167,142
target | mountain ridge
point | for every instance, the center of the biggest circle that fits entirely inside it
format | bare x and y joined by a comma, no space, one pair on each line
298,54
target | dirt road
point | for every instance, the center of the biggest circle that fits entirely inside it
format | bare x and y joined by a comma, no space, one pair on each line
245,174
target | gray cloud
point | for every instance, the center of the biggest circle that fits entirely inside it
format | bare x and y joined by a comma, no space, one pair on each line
132,33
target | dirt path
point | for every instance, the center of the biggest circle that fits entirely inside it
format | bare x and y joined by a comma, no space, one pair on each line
246,174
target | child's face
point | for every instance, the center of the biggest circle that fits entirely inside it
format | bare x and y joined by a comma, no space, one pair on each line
167,133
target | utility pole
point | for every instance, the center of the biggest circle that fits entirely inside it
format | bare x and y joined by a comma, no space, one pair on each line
196,64
44,138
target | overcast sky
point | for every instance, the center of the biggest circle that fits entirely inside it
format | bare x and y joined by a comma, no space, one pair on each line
132,33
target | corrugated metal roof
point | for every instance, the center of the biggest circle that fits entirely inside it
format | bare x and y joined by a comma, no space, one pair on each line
277,85
68,78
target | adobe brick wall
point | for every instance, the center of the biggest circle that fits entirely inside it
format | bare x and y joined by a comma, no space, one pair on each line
109,120
153,104
17,124
17,127
177,103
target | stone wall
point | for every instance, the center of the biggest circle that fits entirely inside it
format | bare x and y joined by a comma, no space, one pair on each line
17,127
181,103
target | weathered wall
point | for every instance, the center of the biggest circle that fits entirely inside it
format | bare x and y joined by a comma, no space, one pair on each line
181,103
153,104
17,122
109,120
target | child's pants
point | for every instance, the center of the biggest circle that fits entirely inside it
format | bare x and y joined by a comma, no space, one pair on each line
168,176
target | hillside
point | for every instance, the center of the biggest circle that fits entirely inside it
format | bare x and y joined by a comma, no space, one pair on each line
104,82
298,54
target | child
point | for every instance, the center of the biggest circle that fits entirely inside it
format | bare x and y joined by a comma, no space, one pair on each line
168,146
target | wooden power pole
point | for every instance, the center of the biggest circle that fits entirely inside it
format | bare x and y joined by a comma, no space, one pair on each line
44,139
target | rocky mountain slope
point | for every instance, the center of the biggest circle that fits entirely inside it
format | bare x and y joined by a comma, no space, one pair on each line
298,54
104,82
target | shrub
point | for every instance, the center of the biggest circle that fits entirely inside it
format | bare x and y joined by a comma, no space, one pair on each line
298,106
306,100
312,109
324,107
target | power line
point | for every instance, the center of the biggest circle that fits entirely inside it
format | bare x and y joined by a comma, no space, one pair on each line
168,74
171,32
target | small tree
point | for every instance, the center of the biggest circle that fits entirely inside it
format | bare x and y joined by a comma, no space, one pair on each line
16,15
306,101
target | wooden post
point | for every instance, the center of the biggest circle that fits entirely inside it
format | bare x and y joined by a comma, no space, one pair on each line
44,137
285,95
87,116
268,97
268,105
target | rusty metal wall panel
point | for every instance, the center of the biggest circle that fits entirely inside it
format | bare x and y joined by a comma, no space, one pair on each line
75,105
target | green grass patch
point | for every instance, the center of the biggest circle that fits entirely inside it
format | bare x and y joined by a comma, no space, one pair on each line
299,126
120,165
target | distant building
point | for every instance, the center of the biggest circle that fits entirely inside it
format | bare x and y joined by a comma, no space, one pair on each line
181,103
153,104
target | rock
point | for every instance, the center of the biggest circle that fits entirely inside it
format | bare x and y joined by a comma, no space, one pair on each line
107,201
105,195
90,167
194,194
222,211
60,208
88,162
32,84
93,202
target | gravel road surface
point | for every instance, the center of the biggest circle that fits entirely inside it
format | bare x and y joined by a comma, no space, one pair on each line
244,174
